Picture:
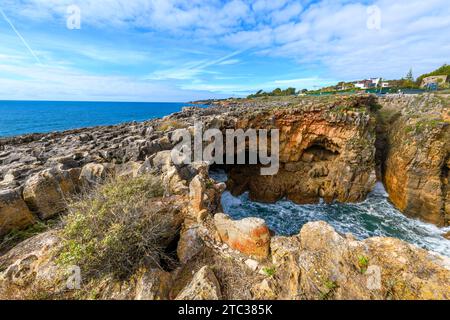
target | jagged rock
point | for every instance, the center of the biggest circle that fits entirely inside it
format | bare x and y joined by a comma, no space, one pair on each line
153,284
93,174
321,264
266,290
204,286
321,156
250,236
252,264
190,243
197,193
14,213
130,169
46,191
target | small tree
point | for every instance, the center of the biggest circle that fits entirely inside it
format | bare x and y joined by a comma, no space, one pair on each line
409,76
277,92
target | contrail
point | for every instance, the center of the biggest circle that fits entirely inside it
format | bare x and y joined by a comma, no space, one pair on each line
20,37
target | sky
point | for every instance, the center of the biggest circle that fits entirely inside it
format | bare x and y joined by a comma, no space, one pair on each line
184,50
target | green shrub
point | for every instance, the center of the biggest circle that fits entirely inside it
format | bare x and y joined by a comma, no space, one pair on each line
363,263
117,228
170,124
330,289
270,272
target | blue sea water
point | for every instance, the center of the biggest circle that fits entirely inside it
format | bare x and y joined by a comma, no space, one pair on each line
20,117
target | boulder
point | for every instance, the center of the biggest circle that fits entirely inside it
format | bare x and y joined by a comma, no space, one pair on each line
319,263
30,268
204,286
250,236
153,284
14,213
45,192
93,174
190,243
130,169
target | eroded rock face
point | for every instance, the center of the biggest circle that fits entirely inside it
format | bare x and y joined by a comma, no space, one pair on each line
93,174
250,236
29,265
326,151
417,160
153,284
204,286
14,213
46,192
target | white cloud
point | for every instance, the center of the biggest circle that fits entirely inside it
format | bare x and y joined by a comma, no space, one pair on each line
56,83
245,89
330,35
193,69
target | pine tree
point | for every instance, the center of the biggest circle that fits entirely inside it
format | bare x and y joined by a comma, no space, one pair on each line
410,76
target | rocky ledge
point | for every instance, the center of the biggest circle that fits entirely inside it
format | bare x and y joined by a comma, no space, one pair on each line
331,148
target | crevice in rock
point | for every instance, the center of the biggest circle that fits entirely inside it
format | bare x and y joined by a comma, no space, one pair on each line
170,261
319,152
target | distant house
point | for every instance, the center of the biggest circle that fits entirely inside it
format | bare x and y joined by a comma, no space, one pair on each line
434,81
385,84
368,83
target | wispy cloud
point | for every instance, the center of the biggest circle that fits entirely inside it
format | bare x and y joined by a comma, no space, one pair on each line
193,69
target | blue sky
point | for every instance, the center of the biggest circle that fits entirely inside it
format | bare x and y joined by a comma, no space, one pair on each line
181,50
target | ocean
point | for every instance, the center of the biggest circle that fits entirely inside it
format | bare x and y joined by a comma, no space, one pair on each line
21,117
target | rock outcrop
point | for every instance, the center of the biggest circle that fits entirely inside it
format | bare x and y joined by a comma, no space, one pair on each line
417,157
321,264
14,213
204,286
327,151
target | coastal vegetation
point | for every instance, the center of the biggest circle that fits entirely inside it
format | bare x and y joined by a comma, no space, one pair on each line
275,93
443,70
348,87
117,228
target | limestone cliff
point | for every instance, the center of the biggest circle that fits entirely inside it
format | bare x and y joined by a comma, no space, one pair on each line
327,150
415,168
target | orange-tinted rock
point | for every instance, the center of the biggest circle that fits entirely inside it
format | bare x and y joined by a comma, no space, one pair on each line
250,236
326,151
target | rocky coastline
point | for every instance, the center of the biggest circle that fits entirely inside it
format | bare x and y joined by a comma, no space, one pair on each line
331,148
